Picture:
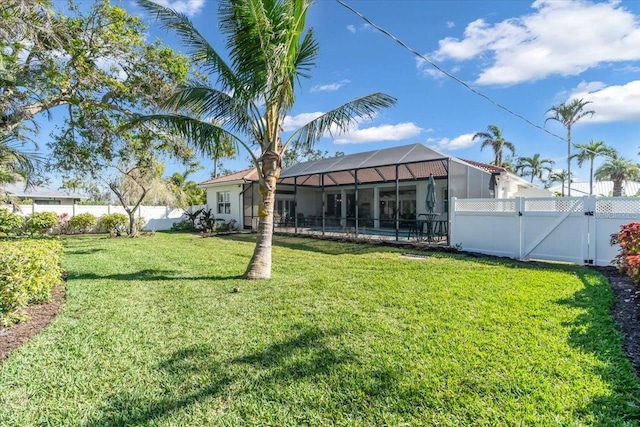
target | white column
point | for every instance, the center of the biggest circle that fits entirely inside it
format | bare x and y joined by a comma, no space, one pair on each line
343,208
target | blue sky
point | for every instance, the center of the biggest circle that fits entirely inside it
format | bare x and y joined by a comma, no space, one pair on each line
527,56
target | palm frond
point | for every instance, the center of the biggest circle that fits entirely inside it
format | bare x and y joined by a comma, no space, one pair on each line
207,137
217,106
341,119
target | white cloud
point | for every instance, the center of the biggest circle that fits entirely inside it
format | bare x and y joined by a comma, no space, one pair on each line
291,123
332,87
353,29
557,38
612,103
450,24
188,7
457,143
379,133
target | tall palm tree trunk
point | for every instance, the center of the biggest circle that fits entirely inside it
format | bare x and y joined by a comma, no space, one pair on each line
617,188
260,264
590,178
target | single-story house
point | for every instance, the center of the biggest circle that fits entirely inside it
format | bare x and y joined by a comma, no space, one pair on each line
41,195
374,190
600,188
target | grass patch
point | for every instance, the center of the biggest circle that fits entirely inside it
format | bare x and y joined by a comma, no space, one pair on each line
343,334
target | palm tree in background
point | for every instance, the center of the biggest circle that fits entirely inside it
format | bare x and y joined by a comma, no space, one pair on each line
269,51
560,176
534,166
618,170
568,115
589,152
16,164
493,138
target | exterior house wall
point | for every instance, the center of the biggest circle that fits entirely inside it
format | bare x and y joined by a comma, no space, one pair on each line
235,190
309,201
53,201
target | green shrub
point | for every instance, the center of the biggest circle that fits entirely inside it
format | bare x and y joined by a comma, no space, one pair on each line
40,222
628,259
114,223
9,223
183,226
28,271
83,222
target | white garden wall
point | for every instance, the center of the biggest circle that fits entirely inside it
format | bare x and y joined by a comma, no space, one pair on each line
157,217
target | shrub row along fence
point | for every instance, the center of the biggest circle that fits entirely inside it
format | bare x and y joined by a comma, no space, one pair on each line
155,217
571,229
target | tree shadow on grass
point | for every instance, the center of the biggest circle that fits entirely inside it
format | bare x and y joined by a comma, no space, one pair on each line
84,251
302,356
310,244
125,408
593,331
149,275
194,375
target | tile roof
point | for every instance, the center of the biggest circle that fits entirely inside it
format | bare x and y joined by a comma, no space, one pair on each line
485,166
249,174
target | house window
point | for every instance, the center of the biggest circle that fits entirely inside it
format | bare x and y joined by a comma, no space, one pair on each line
224,202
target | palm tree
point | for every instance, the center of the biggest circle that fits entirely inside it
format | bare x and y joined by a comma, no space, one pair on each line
568,115
560,176
16,164
269,51
493,137
618,170
589,152
534,166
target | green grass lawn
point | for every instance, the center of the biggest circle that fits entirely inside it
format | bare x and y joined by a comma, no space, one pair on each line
342,335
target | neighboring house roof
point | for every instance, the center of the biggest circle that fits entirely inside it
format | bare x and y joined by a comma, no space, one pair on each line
244,175
18,190
600,188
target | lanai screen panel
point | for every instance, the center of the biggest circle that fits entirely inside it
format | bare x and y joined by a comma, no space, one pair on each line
458,180
475,182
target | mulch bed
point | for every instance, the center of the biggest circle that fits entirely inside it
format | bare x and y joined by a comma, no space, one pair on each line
40,315
626,313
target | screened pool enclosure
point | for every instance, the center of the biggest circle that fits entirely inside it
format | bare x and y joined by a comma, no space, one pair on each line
379,193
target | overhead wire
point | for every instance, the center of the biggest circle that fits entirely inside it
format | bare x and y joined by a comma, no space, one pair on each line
447,73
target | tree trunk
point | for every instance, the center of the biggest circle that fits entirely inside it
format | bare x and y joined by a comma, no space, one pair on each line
260,265
591,178
617,188
132,222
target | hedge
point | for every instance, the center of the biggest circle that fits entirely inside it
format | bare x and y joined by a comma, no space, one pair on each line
28,271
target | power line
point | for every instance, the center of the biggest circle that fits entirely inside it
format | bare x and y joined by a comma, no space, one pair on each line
446,73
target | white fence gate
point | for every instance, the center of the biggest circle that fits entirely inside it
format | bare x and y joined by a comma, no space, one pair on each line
570,229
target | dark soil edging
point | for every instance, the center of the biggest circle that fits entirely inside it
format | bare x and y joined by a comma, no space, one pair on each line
40,315
626,312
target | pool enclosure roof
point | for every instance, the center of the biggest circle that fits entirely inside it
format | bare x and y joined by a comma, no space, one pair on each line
403,163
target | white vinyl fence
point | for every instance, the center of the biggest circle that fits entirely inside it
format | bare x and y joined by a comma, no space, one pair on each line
156,217
570,229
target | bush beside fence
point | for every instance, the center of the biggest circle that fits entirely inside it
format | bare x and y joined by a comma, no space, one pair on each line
28,271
